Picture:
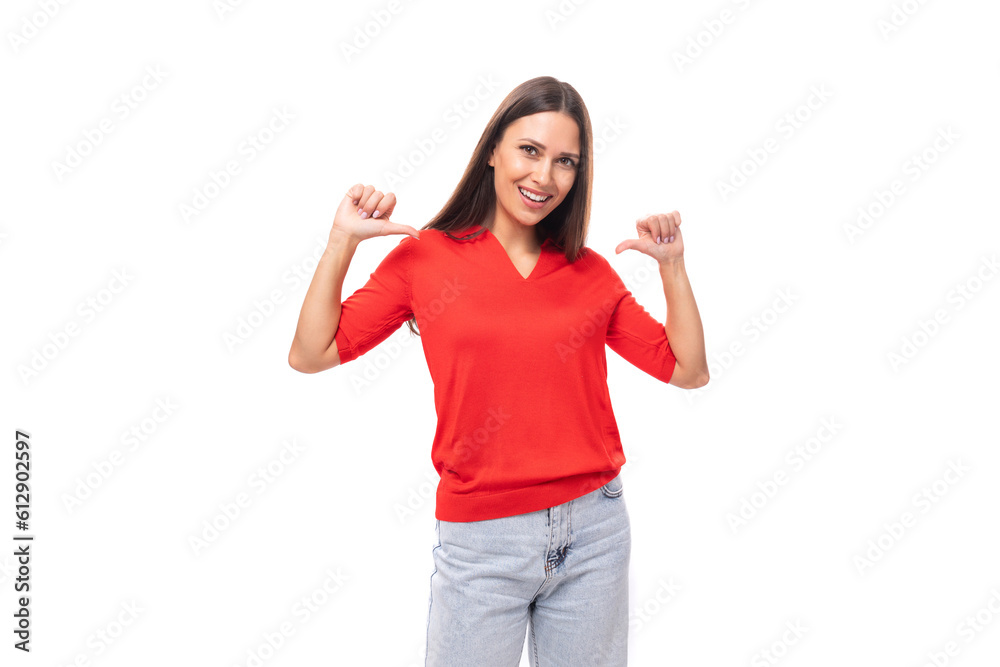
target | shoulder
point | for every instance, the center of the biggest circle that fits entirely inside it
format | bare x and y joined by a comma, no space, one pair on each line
599,271
593,260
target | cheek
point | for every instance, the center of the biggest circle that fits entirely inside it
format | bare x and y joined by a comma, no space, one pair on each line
566,184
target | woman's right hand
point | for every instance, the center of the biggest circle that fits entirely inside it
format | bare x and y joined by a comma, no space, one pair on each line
355,218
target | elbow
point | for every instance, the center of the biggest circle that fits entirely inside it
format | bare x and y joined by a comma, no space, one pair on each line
306,363
689,380
303,364
700,381
295,361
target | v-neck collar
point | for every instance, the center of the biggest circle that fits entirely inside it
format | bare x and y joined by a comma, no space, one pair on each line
535,269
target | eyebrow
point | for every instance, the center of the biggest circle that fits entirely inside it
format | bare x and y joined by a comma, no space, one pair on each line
542,146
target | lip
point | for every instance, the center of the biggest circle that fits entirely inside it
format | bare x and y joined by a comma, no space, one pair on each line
535,192
533,204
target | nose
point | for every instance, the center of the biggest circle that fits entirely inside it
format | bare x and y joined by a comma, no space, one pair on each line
542,174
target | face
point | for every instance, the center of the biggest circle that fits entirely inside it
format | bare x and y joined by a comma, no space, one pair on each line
539,153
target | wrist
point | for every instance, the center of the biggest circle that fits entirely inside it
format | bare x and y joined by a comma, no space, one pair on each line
340,246
672,266
339,240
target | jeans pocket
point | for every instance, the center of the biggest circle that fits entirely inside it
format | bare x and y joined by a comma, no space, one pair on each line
613,489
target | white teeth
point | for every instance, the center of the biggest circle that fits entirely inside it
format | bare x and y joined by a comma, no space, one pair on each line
531,196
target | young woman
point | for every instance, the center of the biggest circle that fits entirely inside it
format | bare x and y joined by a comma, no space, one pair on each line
514,313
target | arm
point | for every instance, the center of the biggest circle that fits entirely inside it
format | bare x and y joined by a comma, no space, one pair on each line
683,327
313,347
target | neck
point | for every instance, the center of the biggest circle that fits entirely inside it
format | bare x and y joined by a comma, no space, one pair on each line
514,236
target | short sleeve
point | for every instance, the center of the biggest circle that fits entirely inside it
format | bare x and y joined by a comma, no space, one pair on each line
379,307
637,336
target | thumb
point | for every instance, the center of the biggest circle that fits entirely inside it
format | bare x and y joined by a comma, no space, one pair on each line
628,244
395,228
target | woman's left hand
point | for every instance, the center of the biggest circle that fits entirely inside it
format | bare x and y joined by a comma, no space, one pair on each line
663,226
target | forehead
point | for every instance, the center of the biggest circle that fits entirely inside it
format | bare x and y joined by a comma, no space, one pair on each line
554,129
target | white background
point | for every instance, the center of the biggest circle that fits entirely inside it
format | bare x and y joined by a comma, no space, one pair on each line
816,312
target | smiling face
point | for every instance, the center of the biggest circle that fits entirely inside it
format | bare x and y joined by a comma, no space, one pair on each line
540,154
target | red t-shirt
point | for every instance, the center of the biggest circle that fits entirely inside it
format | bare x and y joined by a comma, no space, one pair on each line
518,365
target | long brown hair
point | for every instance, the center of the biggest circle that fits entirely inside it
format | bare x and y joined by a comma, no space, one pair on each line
474,200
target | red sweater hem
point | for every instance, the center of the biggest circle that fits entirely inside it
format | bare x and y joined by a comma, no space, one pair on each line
465,507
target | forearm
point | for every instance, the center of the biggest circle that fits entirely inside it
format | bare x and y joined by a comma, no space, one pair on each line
683,327
320,314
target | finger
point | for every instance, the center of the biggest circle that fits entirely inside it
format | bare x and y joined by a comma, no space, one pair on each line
355,192
363,199
369,203
660,227
671,224
668,226
677,226
642,226
385,207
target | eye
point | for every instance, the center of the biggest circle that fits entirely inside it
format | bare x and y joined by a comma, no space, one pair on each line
570,162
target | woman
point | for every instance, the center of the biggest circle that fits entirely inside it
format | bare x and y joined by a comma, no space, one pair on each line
514,312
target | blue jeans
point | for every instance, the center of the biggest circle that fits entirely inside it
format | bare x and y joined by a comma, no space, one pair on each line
561,571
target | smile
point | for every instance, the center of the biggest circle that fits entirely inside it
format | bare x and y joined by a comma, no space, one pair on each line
533,197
